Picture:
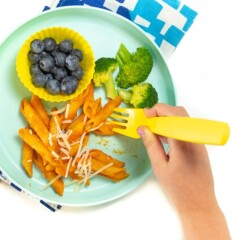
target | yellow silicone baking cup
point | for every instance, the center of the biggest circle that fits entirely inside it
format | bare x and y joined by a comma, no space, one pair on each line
59,34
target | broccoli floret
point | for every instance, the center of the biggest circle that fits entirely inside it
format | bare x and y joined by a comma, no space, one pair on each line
142,95
134,67
103,75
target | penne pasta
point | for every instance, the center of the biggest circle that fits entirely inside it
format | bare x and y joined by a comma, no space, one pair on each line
75,145
38,106
77,128
112,172
101,156
57,182
58,143
49,167
34,142
35,121
98,104
103,114
76,103
106,129
89,108
55,122
27,158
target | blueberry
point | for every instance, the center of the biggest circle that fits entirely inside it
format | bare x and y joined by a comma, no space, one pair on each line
45,54
72,62
60,58
78,73
59,73
66,46
54,51
34,69
56,67
78,53
37,46
34,57
53,86
50,44
47,63
69,85
39,80
48,76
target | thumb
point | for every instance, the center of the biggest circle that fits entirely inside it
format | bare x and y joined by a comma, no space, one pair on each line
154,148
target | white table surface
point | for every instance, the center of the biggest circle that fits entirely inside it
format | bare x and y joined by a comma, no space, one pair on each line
205,68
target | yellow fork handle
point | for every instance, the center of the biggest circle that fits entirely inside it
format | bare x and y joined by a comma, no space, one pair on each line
190,129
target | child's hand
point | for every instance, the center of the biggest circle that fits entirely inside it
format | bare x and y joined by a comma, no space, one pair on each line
184,172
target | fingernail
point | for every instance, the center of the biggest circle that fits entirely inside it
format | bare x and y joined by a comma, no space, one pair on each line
140,132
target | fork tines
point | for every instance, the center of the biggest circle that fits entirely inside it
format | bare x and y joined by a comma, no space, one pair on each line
119,117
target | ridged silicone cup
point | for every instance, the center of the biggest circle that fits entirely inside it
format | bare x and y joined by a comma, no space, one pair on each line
59,34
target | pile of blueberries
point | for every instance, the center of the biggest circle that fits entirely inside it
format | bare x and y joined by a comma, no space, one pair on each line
56,67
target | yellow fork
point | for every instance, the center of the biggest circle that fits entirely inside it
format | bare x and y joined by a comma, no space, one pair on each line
187,129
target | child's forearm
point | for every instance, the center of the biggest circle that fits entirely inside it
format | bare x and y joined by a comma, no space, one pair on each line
202,224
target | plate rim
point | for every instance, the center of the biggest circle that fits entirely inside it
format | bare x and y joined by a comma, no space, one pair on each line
114,15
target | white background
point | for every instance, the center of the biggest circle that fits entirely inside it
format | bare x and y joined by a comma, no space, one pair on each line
205,68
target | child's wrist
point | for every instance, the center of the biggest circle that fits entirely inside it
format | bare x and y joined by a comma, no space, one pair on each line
203,210
205,224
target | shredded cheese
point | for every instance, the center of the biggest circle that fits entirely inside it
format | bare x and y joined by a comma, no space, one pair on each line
67,111
66,121
61,143
65,158
80,147
74,143
93,129
66,152
68,166
57,125
55,154
82,153
51,182
84,165
67,145
61,110
61,135
50,139
90,176
100,170
69,132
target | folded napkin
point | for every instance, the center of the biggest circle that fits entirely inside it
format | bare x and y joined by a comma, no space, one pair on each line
50,206
165,21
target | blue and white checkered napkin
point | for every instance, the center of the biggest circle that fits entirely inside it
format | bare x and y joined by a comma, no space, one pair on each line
50,206
165,21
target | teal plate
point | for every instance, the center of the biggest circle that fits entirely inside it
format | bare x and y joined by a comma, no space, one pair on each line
104,31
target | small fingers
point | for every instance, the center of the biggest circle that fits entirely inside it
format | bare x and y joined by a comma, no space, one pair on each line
154,148
162,109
